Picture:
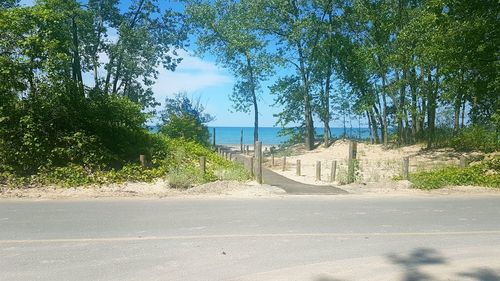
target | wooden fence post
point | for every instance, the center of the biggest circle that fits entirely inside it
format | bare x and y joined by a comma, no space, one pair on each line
251,166
298,172
230,156
353,149
463,162
284,163
142,159
318,170
241,140
258,153
333,171
202,164
406,168
213,140
272,159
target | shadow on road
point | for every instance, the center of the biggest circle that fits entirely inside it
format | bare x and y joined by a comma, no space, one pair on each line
412,264
417,258
482,274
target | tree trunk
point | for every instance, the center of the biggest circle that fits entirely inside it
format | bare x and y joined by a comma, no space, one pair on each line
108,75
309,126
120,57
95,57
254,98
374,126
326,117
384,111
463,114
309,122
370,127
456,117
379,117
402,116
413,109
431,113
77,68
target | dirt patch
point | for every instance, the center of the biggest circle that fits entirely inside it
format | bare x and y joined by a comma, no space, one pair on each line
158,189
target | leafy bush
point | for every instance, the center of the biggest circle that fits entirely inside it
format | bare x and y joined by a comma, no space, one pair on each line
174,159
185,177
473,138
476,138
343,176
52,129
233,172
184,118
486,173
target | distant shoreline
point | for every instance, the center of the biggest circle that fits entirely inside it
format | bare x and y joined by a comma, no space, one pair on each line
272,136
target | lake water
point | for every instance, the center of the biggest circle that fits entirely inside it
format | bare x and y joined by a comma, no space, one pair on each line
269,135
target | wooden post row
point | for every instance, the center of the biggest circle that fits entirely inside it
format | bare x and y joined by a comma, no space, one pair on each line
333,172
318,170
353,149
251,166
406,168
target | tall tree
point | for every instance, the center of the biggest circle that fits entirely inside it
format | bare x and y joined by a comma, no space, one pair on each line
147,38
292,26
226,29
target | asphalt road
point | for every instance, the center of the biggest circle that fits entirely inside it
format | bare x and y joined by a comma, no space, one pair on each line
320,238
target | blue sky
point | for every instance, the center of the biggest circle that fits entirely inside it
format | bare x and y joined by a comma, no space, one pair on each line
201,77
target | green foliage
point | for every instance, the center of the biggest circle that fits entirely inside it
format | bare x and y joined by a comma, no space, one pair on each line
472,138
228,30
185,177
186,127
475,138
233,171
52,129
177,160
344,177
486,173
184,118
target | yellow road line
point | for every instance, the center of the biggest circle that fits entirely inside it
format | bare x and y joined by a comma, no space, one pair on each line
263,235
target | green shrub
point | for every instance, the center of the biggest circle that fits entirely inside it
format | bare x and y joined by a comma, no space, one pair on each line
233,172
175,159
185,177
185,118
475,138
54,129
486,173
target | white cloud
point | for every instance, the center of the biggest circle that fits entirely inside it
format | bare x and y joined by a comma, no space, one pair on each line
192,75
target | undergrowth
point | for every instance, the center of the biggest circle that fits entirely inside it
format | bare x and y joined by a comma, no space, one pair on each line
175,160
486,173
